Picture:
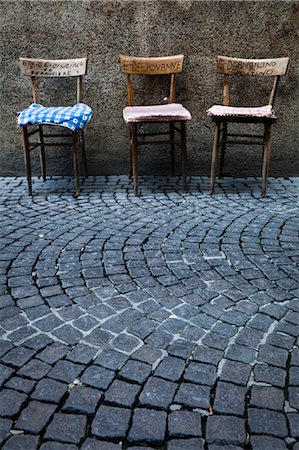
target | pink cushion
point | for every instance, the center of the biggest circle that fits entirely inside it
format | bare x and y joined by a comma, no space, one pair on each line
171,111
223,111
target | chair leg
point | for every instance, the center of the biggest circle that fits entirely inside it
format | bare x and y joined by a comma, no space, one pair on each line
266,157
134,152
42,152
172,148
131,151
76,157
184,154
214,162
83,149
27,158
222,149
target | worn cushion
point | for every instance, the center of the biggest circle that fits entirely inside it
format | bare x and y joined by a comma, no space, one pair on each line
234,111
171,111
73,117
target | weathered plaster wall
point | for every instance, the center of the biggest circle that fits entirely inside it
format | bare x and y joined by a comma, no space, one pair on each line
101,29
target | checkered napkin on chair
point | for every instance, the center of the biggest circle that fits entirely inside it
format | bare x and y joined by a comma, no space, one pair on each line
73,117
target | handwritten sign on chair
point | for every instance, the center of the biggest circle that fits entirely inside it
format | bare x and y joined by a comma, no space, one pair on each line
53,68
252,68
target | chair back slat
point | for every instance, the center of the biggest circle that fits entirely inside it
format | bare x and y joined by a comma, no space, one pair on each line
35,90
167,65
274,90
53,67
56,68
172,88
252,67
130,91
79,89
151,66
225,91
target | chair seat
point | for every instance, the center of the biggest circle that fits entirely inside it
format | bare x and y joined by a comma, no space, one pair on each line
233,111
73,117
156,113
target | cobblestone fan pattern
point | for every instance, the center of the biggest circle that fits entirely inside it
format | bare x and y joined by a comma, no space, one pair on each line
168,321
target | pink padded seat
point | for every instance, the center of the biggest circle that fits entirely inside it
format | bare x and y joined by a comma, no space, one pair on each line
153,113
233,111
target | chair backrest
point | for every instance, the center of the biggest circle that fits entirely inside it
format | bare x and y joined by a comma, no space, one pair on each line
252,68
166,65
54,68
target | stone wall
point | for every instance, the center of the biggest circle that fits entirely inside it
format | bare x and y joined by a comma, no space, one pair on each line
101,29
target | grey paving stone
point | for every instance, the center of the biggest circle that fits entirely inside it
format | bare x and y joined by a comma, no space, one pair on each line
38,342
21,384
122,393
170,368
157,393
50,445
227,447
147,354
272,375
35,416
126,343
235,372
21,334
267,397
224,430
49,390
200,373
111,422
262,421
95,444
66,371
148,426
207,355
229,399
281,340
98,337
185,444
294,397
111,359
49,323
184,423
83,400
293,421
263,442
66,428
68,334
159,339
5,373
81,354
97,377
273,355
11,402
250,337
193,395
135,371
34,369
85,323
261,322
18,356
241,353
53,353
5,346
21,443
5,427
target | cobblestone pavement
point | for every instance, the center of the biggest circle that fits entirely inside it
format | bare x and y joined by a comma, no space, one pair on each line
168,321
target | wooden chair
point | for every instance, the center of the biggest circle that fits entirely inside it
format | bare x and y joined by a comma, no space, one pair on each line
224,114
171,113
72,118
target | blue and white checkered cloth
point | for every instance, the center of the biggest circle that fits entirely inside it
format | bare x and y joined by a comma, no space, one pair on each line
73,117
